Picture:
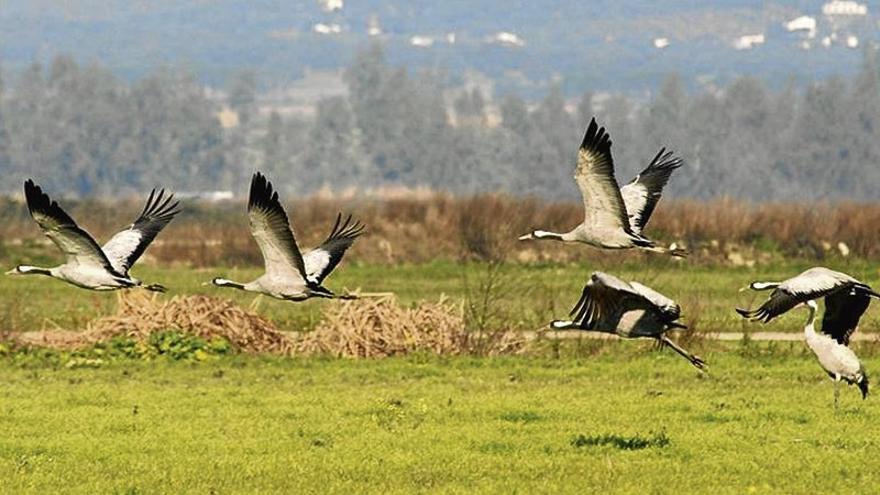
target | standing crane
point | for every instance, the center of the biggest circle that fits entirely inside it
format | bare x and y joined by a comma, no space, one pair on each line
846,300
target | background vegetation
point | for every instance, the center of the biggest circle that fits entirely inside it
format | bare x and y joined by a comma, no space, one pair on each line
82,131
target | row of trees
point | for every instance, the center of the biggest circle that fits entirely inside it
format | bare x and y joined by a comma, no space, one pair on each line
81,130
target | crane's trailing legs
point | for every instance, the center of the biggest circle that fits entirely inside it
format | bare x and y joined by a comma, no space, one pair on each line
695,360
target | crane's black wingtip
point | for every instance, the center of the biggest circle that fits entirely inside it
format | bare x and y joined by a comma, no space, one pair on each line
36,199
596,138
32,189
262,192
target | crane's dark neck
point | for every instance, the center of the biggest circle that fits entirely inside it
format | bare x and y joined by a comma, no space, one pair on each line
32,270
222,282
553,236
763,285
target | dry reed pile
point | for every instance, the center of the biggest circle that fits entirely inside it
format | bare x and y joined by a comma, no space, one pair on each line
372,328
362,328
139,315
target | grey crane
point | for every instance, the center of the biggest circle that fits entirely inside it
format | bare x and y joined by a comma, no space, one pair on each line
614,217
88,265
629,310
288,274
846,300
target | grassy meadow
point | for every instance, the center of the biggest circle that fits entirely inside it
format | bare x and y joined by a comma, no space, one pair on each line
526,296
572,416
624,420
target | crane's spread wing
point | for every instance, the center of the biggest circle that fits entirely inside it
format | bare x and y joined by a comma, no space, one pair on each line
76,243
665,305
126,246
603,204
843,310
271,229
319,262
641,196
605,295
812,284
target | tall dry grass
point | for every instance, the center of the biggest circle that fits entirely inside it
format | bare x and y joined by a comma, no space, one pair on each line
483,228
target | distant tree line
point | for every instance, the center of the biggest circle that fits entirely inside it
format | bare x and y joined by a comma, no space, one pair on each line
80,130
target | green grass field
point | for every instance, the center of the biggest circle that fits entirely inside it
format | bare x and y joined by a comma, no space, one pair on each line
529,295
627,420
568,417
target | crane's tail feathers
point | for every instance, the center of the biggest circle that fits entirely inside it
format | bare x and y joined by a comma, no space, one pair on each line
318,290
695,360
675,252
649,245
679,252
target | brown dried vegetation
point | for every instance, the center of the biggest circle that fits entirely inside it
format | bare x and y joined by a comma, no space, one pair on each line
139,315
369,328
483,227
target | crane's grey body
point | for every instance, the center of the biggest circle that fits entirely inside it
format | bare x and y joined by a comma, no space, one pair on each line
289,275
88,265
273,285
629,310
613,216
91,277
846,300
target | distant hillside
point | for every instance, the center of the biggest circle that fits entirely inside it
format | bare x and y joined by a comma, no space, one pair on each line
523,46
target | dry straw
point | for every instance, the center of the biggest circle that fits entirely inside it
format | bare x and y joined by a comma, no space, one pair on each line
139,315
371,328
361,328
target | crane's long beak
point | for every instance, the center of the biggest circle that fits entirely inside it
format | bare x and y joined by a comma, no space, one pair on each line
14,271
527,237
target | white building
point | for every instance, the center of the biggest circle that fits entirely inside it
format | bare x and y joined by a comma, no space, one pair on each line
748,41
421,41
322,28
507,38
844,7
661,43
373,27
803,23
852,41
331,5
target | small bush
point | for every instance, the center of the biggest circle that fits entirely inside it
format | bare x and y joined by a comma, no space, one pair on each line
635,442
